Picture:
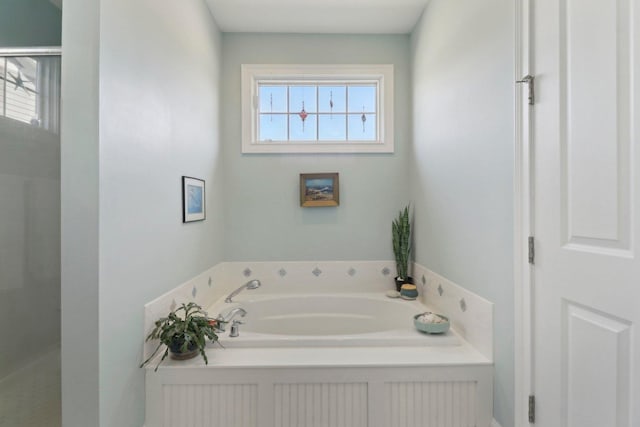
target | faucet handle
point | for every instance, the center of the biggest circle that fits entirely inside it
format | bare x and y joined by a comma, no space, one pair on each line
235,328
220,323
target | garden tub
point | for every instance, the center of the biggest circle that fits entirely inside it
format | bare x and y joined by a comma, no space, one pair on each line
327,320
331,359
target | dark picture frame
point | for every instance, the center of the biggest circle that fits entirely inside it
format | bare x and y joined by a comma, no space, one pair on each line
193,199
319,189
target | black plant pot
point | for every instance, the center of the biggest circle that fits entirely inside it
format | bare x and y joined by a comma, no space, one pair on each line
400,282
176,353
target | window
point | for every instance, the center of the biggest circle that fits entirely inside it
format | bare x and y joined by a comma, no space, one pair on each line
317,109
28,90
17,91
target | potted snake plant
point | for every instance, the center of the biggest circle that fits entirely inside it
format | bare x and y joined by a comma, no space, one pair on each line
184,333
401,239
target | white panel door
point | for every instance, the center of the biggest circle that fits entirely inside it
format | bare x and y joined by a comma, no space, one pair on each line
586,279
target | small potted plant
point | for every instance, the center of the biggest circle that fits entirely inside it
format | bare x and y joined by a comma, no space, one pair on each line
401,238
184,333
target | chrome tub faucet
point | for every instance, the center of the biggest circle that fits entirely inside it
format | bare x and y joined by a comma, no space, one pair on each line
252,284
224,319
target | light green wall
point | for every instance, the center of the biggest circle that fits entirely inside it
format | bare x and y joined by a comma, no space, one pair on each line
29,23
141,109
79,182
158,119
462,160
264,220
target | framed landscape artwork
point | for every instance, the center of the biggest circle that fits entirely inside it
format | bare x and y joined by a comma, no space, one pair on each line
319,189
193,201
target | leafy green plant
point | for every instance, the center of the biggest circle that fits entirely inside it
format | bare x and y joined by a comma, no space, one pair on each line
401,238
183,333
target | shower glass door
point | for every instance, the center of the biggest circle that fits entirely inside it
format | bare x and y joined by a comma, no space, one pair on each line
29,238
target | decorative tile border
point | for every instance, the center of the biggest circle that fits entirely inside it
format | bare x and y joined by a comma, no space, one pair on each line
310,276
470,315
199,289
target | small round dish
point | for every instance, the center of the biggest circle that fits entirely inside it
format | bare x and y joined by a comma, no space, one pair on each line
393,294
431,327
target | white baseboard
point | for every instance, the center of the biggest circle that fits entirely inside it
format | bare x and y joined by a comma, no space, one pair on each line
494,423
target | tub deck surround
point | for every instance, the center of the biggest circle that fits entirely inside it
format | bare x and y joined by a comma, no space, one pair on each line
352,376
474,323
330,357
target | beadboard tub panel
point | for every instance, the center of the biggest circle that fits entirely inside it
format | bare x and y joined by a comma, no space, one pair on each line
436,396
187,405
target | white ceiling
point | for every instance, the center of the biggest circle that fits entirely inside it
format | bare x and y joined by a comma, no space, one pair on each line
317,16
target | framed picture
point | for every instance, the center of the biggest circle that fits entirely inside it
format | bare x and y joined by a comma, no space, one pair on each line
319,189
193,201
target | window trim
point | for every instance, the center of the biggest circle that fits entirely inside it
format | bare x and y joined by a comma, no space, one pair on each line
251,74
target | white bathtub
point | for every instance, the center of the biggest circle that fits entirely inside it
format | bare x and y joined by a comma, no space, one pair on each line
331,359
328,320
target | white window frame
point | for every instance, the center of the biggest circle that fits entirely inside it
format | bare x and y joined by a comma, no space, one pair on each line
253,74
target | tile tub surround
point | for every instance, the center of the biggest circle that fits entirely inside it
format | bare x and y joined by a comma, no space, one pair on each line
439,294
470,315
199,289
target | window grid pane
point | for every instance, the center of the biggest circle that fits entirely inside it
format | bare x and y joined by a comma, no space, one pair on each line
273,127
332,98
303,131
318,120
359,130
332,127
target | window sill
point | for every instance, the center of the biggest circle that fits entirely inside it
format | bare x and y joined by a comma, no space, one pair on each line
317,147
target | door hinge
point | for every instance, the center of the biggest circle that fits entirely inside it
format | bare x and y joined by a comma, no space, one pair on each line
532,250
532,409
531,81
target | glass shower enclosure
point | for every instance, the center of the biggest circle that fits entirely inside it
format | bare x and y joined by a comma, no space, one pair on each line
30,237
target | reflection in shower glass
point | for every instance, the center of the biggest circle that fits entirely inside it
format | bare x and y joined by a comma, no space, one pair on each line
30,241
29,92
